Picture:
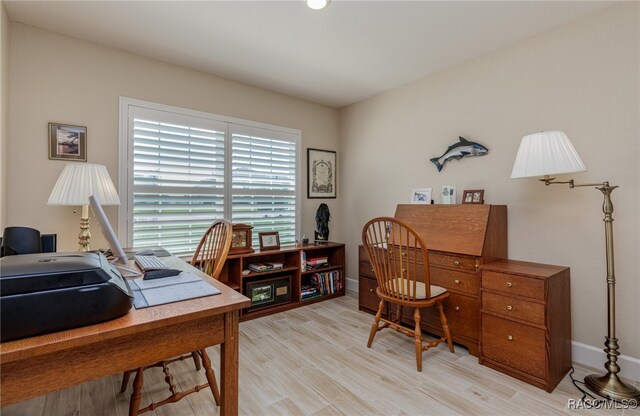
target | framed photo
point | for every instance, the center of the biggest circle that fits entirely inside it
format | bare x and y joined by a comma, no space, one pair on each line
269,240
67,142
448,194
321,173
474,196
421,196
241,239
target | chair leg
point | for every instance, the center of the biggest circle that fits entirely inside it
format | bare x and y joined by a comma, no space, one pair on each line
445,326
196,359
418,336
125,381
136,396
399,314
376,321
211,377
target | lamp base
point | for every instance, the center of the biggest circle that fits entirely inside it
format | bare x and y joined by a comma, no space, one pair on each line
611,387
85,235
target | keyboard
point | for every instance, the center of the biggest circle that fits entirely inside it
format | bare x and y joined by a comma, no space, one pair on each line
147,263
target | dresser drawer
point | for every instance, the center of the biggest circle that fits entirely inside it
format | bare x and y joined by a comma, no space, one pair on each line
365,269
463,316
516,308
512,284
514,344
455,281
367,297
456,262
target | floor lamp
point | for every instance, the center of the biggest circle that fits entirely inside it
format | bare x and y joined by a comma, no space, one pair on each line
76,183
551,153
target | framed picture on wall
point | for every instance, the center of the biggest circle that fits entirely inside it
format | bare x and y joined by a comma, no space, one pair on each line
321,173
474,196
67,142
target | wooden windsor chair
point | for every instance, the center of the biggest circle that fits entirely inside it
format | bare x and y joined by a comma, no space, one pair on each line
209,257
400,263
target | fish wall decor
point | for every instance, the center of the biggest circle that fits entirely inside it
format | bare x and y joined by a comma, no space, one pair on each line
463,148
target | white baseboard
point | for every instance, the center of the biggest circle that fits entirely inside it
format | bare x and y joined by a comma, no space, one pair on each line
591,356
352,284
582,354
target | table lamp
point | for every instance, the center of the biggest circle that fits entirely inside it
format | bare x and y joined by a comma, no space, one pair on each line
551,153
77,182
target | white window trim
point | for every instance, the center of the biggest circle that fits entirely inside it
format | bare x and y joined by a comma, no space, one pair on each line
125,160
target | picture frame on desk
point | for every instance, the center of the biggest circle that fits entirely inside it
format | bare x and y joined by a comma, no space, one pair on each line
421,196
269,240
67,142
474,196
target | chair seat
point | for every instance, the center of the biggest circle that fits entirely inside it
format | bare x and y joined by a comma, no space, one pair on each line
421,292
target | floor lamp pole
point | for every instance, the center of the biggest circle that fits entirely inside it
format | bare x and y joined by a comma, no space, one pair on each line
610,385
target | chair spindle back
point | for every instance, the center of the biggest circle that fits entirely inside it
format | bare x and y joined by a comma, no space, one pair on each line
213,248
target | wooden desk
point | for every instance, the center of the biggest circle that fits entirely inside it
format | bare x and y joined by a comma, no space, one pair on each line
38,365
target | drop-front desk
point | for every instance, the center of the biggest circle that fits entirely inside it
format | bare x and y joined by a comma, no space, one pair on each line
41,364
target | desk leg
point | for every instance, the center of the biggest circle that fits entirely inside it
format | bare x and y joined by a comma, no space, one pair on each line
229,365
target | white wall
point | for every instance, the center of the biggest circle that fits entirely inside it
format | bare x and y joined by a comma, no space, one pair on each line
62,79
4,110
582,78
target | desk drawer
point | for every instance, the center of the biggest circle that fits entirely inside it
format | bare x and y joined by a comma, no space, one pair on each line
367,297
512,284
456,262
455,281
510,307
463,316
365,269
513,344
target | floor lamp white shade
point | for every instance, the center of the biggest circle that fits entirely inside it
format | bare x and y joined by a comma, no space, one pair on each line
76,183
546,153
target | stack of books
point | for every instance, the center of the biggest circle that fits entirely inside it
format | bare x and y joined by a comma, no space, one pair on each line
265,267
309,292
317,262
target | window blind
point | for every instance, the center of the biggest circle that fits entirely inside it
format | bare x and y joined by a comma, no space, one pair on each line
184,169
264,166
178,183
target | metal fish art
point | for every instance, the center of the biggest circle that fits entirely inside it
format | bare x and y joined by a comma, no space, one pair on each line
463,148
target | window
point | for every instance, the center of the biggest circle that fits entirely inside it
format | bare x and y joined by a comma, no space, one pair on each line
181,170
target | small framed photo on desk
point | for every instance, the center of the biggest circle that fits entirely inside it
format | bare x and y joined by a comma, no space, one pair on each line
269,240
475,196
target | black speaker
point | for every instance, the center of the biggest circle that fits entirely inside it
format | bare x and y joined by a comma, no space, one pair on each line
25,240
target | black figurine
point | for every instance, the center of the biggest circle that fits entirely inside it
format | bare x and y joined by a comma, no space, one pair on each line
323,216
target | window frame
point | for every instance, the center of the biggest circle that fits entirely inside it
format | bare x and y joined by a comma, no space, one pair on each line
125,159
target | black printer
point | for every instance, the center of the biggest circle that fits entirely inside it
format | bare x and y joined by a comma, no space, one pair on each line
48,292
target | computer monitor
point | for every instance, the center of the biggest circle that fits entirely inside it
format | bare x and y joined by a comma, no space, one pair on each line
107,231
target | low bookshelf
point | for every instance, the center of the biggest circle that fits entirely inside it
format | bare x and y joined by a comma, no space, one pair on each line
290,277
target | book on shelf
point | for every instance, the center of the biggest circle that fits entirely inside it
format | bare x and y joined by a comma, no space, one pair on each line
260,267
274,265
317,260
328,283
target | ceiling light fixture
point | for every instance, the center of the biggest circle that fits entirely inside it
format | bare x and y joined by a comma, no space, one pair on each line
317,4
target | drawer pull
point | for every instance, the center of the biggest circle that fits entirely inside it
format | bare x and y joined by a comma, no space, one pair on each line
404,270
371,290
510,337
372,271
404,254
509,284
457,281
457,263
509,307
457,308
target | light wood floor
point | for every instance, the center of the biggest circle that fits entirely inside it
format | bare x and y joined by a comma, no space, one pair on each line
314,361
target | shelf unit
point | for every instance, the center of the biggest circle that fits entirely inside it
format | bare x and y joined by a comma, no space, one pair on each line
291,259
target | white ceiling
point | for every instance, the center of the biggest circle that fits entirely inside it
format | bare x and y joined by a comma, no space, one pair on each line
345,53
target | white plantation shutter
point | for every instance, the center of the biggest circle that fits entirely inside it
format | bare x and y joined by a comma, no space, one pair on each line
264,181
178,179
184,169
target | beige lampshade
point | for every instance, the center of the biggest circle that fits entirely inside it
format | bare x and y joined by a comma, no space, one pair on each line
546,153
78,181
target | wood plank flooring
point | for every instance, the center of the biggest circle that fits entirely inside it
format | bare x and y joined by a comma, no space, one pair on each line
314,361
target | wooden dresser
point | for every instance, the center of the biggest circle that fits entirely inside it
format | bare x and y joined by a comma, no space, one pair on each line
460,238
526,321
